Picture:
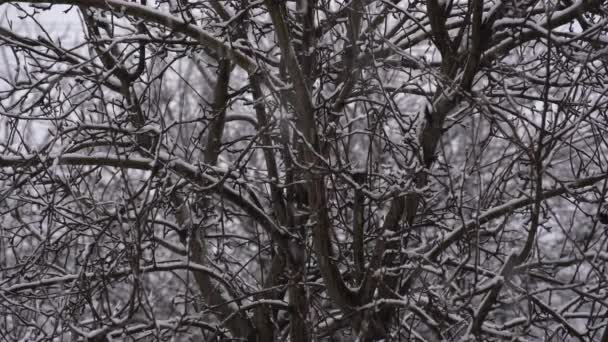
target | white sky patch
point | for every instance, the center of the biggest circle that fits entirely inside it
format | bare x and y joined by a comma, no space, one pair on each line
61,20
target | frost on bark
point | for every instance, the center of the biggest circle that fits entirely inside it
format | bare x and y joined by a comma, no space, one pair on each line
303,170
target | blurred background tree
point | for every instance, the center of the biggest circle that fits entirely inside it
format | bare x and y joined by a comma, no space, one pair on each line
305,170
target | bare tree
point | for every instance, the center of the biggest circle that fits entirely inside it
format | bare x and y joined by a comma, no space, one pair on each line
304,170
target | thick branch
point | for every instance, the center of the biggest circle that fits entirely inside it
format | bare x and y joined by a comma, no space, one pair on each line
152,15
160,267
188,171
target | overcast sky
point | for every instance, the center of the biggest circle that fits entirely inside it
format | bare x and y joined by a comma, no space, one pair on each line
54,19
58,24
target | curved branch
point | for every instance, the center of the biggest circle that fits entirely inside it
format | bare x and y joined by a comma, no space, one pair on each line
170,266
186,170
176,24
508,207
